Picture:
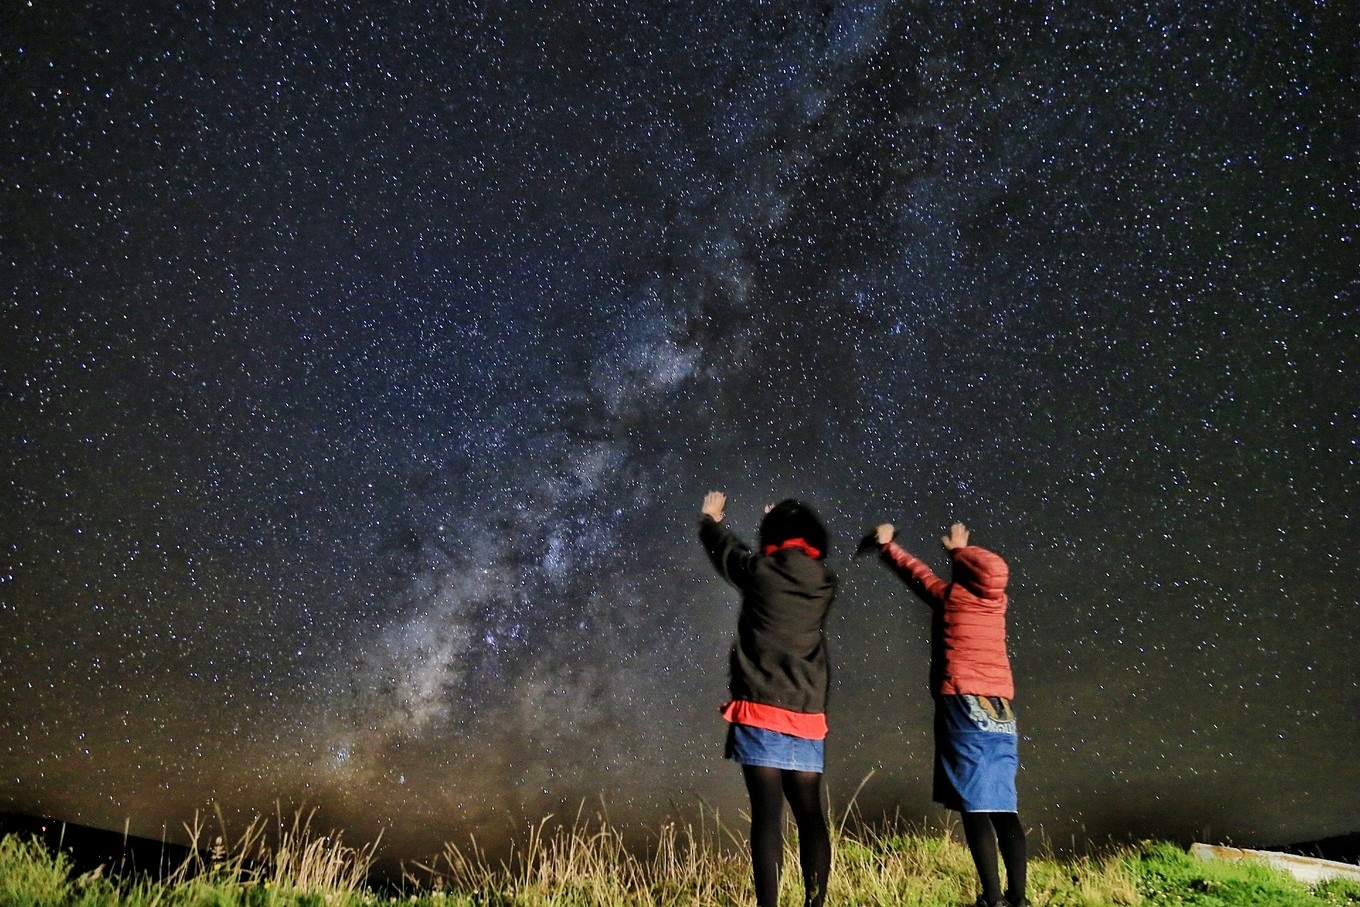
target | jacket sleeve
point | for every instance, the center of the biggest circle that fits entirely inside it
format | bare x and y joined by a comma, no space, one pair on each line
730,556
915,574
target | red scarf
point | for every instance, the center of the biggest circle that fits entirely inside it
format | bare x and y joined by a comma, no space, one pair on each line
800,544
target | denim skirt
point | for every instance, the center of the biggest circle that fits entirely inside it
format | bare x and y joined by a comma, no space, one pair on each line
976,754
748,745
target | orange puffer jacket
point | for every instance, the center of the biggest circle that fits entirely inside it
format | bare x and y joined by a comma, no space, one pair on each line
968,634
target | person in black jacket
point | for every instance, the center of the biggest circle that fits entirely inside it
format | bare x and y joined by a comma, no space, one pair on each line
779,676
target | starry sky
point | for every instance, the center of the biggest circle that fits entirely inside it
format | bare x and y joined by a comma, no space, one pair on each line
365,364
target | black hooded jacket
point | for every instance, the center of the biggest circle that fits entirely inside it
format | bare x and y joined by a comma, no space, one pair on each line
779,657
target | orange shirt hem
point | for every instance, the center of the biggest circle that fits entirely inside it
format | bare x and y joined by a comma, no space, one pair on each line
807,725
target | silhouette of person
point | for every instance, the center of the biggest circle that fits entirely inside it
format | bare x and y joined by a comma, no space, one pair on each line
778,683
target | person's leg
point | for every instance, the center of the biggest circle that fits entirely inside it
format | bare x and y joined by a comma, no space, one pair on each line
1010,836
981,838
803,790
767,832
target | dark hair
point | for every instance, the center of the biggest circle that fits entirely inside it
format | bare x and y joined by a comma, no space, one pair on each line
790,519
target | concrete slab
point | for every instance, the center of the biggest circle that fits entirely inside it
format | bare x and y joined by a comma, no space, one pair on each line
1309,870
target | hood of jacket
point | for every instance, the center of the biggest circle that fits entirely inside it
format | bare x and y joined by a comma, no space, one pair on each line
981,572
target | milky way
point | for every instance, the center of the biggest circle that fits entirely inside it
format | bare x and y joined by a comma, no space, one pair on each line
365,365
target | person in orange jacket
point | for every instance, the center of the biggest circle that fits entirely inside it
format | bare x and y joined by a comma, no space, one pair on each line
976,753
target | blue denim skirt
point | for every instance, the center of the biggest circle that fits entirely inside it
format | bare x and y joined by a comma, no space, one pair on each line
748,745
976,754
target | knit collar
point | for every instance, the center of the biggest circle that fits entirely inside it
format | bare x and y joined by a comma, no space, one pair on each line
800,544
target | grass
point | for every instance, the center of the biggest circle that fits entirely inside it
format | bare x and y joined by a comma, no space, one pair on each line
588,864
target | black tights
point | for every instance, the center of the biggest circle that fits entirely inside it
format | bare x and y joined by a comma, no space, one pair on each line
984,831
768,788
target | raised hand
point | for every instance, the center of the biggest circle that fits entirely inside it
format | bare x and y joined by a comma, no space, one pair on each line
957,537
715,502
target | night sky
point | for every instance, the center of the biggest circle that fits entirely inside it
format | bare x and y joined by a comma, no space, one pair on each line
364,365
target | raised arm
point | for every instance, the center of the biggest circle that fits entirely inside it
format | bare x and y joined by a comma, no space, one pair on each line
912,570
729,554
